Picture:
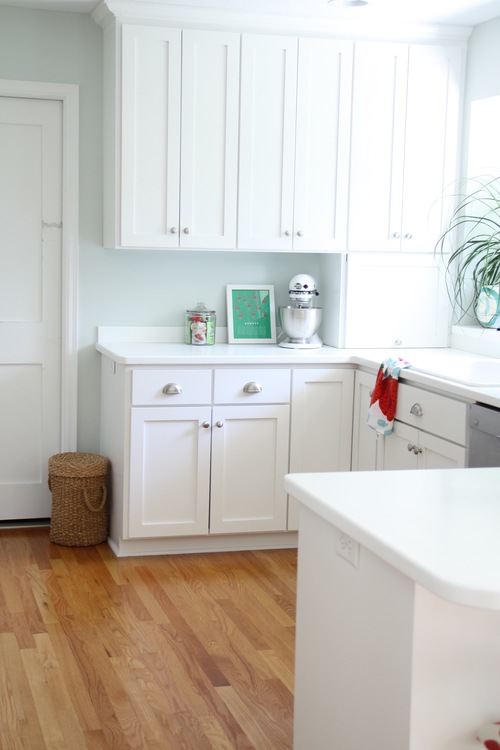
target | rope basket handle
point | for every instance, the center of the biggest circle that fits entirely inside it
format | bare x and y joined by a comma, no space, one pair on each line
101,504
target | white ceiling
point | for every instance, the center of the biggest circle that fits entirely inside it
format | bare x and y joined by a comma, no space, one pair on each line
460,12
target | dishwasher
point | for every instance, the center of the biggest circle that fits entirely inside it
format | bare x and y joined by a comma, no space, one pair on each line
484,436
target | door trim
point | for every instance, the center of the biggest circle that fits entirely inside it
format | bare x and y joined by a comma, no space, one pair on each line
68,94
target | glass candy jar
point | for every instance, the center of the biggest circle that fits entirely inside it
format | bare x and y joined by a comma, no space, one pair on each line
200,326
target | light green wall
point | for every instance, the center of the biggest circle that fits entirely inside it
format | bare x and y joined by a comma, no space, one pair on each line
120,288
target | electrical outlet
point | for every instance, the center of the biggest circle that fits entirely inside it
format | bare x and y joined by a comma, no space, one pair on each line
347,548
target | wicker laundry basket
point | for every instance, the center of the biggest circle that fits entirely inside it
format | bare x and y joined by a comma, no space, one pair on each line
78,485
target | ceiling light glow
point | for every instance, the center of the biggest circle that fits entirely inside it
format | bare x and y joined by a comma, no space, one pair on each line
348,3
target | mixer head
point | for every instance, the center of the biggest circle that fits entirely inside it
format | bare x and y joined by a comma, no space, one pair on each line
302,290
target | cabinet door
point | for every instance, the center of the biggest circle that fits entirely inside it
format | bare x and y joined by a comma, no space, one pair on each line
209,143
436,453
432,113
397,451
364,439
150,159
395,301
322,145
409,448
169,471
249,461
404,160
321,429
377,146
267,142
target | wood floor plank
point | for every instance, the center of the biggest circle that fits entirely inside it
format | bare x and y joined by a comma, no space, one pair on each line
175,652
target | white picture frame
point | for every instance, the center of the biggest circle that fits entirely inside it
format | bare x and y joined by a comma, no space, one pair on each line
251,314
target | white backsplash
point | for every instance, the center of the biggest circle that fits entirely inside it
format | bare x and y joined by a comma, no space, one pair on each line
476,339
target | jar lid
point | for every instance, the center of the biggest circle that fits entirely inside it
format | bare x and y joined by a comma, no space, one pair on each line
200,308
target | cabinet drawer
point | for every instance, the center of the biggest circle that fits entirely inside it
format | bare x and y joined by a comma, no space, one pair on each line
440,415
186,387
252,386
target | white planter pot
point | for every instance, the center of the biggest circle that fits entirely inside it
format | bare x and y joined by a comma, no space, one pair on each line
488,307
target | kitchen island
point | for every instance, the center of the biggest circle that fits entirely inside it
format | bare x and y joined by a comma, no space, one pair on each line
398,609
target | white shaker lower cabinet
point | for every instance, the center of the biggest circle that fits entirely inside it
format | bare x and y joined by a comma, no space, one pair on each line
249,461
409,448
250,434
321,431
364,439
169,471
195,452
430,431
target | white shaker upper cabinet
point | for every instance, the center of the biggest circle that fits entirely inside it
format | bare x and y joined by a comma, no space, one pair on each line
322,145
294,143
179,138
403,144
267,142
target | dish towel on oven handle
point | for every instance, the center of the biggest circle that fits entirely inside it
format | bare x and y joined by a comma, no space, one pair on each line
384,396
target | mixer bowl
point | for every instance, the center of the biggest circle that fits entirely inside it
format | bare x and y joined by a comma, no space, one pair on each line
300,324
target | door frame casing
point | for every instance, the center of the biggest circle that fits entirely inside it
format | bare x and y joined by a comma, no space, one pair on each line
68,94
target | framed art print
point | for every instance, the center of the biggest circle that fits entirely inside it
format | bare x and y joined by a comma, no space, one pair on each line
251,314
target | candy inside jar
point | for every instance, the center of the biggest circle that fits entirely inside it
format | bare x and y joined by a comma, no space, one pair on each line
200,326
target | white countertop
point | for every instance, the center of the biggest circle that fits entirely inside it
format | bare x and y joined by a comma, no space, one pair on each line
441,528
150,347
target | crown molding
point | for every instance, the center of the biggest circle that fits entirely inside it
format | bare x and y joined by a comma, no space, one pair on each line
167,13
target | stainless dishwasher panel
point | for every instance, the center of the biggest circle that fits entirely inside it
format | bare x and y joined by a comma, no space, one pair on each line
484,436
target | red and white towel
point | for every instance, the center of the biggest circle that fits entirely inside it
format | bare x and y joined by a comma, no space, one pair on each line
384,396
489,735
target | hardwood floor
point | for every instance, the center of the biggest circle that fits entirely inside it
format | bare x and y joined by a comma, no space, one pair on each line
170,652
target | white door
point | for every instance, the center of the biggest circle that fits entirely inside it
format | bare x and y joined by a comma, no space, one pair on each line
30,302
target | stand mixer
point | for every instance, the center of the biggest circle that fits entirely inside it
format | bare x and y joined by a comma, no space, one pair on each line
300,321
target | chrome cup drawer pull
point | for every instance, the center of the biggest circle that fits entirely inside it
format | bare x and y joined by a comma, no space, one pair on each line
171,389
252,387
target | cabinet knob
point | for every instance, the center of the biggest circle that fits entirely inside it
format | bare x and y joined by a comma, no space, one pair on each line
398,342
417,410
300,233
172,389
288,233
252,387
219,423
186,230
417,450
410,447
173,230
396,235
206,425
408,236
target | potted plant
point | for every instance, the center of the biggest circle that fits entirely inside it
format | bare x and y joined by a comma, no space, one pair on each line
472,239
